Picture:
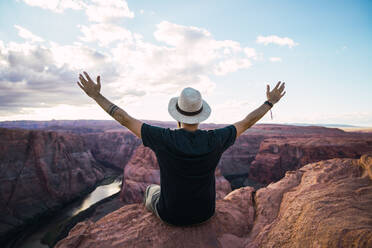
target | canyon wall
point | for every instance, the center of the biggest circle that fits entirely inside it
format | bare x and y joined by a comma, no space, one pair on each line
112,149
39,171
278,155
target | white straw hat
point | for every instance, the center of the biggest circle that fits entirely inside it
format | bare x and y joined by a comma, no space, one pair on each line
189,107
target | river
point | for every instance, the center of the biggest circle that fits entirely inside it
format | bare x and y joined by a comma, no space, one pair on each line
33,238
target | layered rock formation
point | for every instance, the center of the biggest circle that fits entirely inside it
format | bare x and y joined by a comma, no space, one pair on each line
42,170
323,204
266,151
278,155
39,172
143,170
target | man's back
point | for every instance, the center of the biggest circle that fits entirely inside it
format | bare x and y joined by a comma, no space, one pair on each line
187,161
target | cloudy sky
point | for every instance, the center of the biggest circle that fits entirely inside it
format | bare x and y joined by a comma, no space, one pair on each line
147,51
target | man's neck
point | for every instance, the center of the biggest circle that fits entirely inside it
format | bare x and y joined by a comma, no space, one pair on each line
189,127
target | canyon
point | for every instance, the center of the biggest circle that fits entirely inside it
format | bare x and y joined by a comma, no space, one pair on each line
45,165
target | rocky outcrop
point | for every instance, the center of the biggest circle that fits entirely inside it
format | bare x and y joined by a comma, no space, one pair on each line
323,204
143,170
133,226
278,155
39,172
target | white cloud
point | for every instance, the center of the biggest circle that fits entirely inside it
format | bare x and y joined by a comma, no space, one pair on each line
77,57
231,65
56,5
275,59
104,33
108,10
36,76
285,41
250,52
192,55
156,69
197,46
96,10
44,76
178,35
27,35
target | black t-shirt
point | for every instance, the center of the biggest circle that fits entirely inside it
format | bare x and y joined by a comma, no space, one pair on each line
187,161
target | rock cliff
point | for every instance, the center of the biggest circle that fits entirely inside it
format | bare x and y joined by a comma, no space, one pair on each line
323,204
278,155
42,170
143,169
39,172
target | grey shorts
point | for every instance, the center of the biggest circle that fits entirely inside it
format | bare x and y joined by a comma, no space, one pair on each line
151,199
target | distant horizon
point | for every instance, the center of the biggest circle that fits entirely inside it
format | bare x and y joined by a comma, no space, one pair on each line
206,122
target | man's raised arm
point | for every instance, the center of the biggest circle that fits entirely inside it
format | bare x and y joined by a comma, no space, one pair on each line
272,98
93,90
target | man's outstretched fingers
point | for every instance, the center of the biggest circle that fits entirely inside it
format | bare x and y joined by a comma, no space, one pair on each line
80,85
82,79
282,94
277,85
99,81
86,74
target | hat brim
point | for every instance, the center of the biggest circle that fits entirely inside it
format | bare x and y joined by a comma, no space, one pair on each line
202,116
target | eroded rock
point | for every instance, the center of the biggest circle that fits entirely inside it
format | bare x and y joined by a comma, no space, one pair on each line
39,171
323,204
133,226
281,154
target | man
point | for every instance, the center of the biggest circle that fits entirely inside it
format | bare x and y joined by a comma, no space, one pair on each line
187,156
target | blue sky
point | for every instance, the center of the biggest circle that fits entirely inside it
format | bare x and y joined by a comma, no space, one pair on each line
147,51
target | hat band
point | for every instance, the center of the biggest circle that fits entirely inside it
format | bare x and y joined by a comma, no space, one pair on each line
188,113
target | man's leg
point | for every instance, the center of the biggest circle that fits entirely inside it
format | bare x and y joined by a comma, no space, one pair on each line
151,198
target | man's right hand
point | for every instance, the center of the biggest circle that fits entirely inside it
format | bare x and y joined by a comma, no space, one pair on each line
275,95
91,89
